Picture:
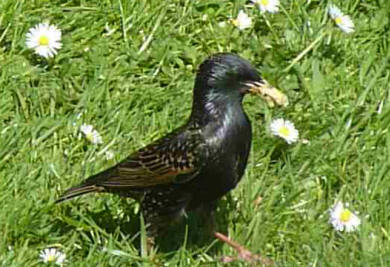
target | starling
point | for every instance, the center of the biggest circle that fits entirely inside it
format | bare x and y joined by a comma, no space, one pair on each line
194,166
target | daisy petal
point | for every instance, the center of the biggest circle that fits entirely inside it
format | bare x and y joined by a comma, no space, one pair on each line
271,6
242,21
52,255
45,39
344,22
342,218
284,129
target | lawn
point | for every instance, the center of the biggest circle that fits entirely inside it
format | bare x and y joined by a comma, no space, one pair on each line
127,67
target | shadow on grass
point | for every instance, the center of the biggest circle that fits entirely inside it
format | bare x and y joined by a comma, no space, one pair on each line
102,219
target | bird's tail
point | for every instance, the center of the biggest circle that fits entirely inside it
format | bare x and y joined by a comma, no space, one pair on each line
92,184
78,191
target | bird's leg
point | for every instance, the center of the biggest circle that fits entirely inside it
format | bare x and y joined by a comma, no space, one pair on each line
161,207
155,227
207,214
151,233
243,253
158,225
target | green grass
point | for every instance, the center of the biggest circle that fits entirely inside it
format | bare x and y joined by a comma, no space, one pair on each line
133,96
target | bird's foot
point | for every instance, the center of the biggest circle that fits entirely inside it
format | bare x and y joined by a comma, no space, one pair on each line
150,243
243,253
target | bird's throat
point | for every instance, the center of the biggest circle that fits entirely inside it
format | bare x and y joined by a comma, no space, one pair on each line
216,108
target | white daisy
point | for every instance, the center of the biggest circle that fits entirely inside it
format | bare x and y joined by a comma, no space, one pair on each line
91,134
344,22
222,24
305,141
45,39
52,255
343,219
242,21
284,129
109,155
271,6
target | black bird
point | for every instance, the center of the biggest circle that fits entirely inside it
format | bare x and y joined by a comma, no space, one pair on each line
201,161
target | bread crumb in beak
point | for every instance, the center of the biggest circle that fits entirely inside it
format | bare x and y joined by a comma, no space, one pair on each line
269,93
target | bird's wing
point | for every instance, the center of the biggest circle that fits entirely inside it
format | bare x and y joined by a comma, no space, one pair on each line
174,159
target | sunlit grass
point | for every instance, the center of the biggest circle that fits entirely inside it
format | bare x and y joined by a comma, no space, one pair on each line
128,68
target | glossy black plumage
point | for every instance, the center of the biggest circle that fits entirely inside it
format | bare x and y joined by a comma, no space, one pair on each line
198,163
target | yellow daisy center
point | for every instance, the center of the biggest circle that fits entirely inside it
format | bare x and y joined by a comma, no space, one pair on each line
338,20
51,258
284,131
43,40
345,215
89,137
264,2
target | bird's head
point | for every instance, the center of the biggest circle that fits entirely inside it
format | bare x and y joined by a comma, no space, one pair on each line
230,77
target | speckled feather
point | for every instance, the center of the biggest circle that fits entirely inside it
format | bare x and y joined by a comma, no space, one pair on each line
176,158
196,164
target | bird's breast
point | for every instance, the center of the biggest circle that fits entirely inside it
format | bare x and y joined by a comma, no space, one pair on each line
228,132
228,139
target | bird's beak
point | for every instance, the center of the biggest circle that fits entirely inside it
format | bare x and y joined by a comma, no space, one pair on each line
269,93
